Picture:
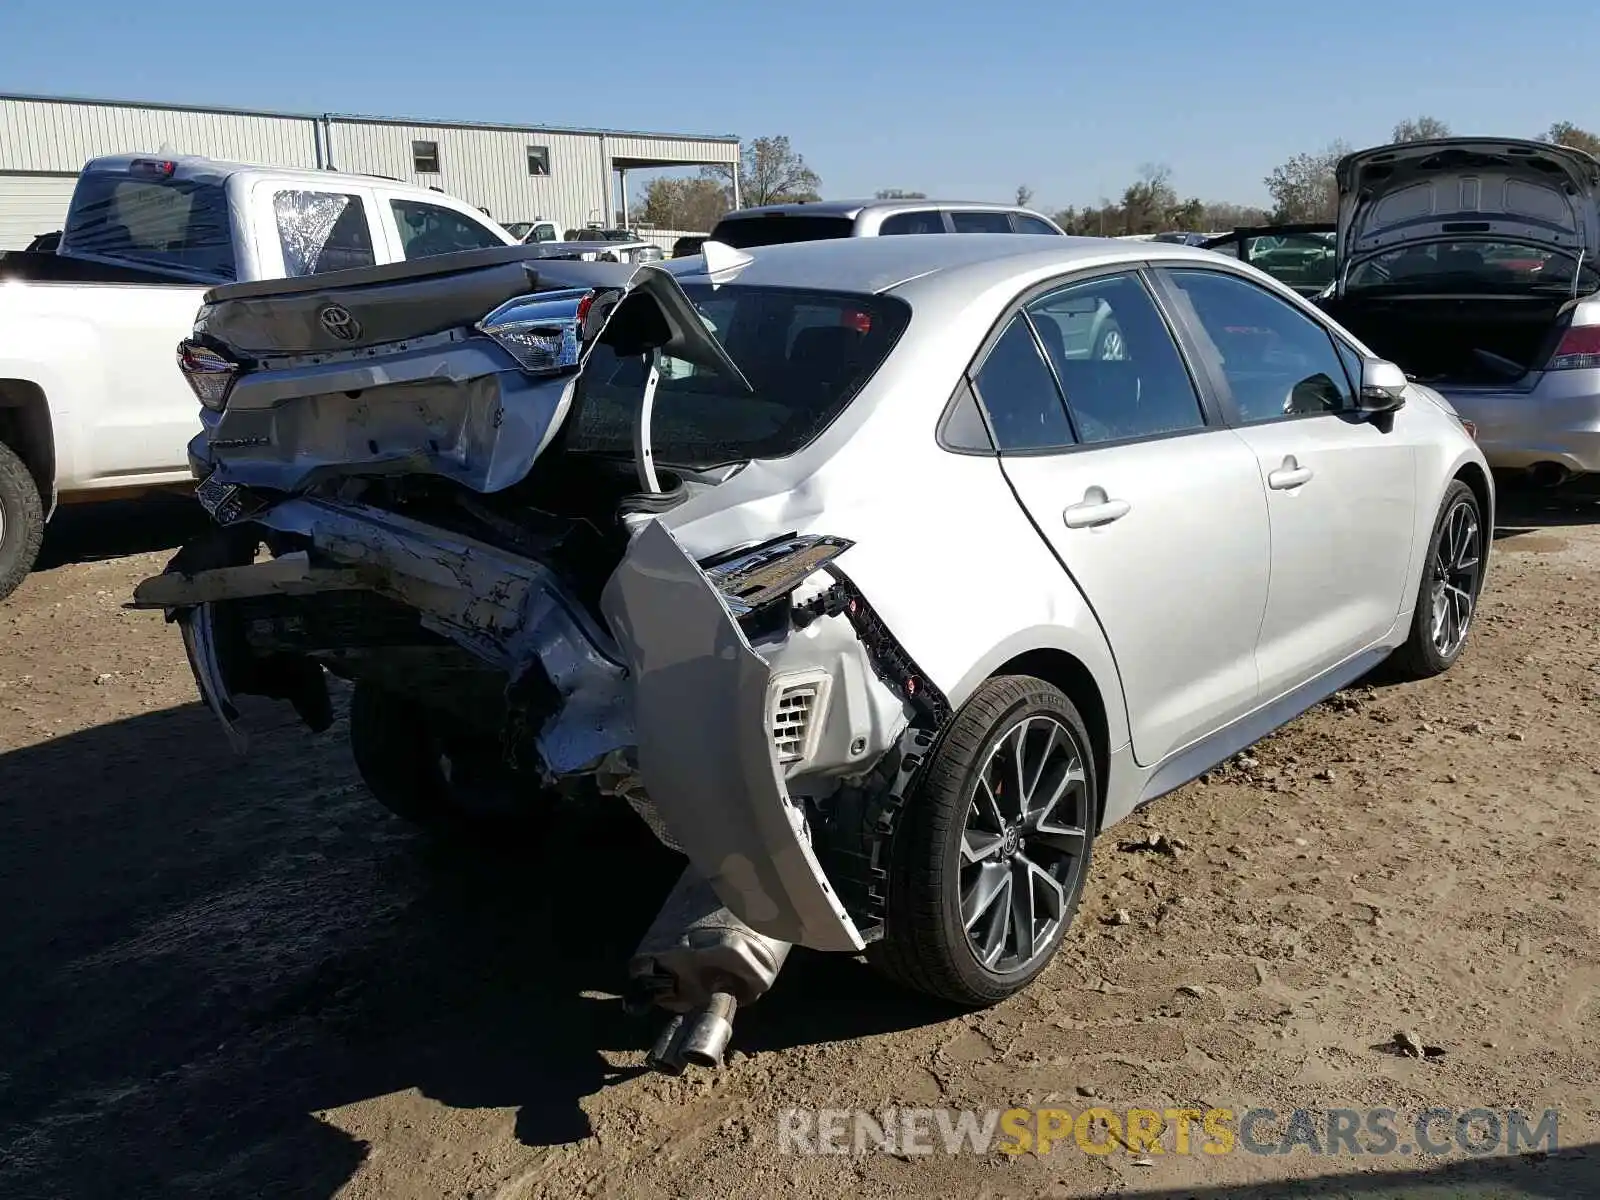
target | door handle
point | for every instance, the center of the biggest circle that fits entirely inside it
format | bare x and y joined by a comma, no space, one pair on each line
1290,475
1094,510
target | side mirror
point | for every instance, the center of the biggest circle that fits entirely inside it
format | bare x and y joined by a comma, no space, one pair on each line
1383,387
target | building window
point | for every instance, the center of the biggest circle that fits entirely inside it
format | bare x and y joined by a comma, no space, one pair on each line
539,160
425,158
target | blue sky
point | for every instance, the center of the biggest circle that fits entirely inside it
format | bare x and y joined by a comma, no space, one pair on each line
954,99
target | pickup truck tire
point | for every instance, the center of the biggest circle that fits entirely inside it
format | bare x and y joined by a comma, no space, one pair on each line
446,780
989,858
21,521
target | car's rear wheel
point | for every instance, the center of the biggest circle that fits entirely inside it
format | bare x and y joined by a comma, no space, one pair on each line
444,778
1447,598
21,521
991,854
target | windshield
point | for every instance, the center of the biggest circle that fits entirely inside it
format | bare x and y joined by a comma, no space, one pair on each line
1473,267
806,354
742,232
178,224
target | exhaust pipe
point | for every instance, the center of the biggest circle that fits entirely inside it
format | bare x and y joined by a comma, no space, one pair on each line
1548,475
695,1039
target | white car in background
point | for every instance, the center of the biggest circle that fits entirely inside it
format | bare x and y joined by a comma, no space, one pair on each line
91,402
880,607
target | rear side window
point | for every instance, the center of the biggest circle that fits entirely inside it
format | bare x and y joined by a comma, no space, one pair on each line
805,353
1030,224
913,222
775,231
177,224
968,221
1020,395
322,231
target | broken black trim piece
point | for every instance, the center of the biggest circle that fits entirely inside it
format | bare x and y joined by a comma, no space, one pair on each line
890,661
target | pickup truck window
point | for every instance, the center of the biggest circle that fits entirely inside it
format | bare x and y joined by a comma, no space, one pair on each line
429,229
176,224
322,231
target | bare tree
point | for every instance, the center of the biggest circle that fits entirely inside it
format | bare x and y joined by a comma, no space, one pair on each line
770,172
898,194
687,204
1420,129
1304,189
1565,133
1024,195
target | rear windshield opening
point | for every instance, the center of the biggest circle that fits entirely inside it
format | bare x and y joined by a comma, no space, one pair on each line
178,224
1473,267
743,232
806,354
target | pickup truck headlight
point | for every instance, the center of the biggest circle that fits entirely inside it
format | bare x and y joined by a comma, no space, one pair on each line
210,375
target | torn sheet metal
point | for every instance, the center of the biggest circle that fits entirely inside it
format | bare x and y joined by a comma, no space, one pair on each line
700,695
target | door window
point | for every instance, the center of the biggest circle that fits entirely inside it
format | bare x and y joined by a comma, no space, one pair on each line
1122,373
913,222
429,229
1030,224
322,231
1019,393
970,221
1277,361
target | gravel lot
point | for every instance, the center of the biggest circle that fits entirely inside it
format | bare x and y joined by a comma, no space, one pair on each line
242,978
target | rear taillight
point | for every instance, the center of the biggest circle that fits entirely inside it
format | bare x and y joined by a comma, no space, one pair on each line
209,374
152,168
1579,349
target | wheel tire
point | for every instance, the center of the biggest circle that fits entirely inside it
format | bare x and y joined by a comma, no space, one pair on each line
443,780
1422,656
1108,344
21,521
925,944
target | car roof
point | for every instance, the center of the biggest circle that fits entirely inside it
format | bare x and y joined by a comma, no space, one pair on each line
854,208
883,264
199,168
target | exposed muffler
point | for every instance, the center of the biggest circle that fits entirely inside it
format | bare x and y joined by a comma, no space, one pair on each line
699,962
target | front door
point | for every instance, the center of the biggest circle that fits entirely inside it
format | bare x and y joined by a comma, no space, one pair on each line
1341,487
1156,511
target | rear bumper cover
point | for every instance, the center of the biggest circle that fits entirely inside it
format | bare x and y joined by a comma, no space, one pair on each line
1557,421
678,684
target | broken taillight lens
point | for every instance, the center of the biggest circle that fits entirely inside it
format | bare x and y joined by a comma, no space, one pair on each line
1579,349
209,374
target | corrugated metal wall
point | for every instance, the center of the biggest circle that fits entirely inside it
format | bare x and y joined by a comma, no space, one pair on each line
31,205
485,167
52,135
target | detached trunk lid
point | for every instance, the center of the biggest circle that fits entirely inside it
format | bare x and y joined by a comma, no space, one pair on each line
1450,189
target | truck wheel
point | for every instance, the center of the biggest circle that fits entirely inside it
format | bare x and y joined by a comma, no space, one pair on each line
21,521
445,780
993,848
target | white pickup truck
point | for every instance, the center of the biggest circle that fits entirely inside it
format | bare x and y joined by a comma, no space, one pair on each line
91,400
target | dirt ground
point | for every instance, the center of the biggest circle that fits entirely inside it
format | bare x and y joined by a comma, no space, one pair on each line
226,978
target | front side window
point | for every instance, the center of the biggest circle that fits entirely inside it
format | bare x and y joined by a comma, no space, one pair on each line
805,353
322,231
538,160
1122,373
970,221
425,158
1277,361
429,229
1019,393
913,222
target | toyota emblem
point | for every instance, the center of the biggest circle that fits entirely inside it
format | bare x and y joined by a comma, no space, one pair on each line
336,319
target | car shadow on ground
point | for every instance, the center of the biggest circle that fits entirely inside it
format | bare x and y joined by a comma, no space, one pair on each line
112,528
1523,510
206,952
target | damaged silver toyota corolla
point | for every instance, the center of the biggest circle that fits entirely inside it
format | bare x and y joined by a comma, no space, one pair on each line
876,575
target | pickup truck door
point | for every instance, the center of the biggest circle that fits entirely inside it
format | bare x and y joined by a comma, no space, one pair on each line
303,229
420,228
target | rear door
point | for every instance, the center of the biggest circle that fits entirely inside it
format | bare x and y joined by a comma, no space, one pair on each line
1155,510
304,229
1341,488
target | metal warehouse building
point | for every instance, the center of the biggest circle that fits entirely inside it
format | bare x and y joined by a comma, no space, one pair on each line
517,172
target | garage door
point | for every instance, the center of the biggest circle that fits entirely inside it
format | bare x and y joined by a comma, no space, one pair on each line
31,205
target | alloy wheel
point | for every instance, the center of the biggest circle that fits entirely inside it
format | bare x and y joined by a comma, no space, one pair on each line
1457,563
1022,848
1111,347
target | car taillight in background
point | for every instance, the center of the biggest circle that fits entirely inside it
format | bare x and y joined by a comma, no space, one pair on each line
1579,349
209,374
